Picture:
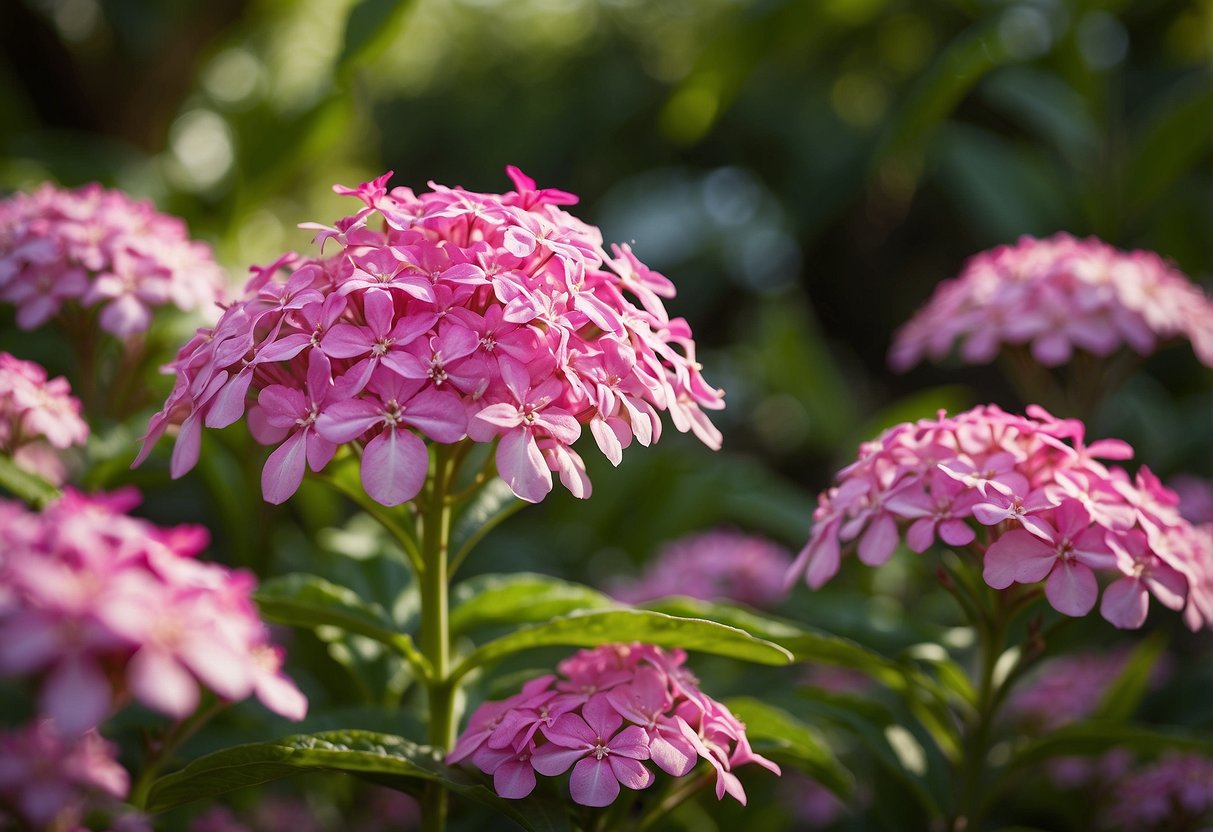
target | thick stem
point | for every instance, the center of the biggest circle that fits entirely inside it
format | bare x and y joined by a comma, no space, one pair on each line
434,534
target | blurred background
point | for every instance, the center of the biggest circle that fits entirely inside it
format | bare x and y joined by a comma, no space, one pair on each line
804,171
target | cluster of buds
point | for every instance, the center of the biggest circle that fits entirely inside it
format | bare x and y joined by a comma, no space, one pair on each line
610,709
101,607
444,315
99,248
1046,507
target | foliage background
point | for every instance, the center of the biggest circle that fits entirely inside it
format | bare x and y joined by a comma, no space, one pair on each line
805,172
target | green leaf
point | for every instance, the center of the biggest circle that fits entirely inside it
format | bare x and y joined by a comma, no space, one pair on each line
893,747
1171,141
383,758
368,29
1123,696
522,598
591,629
27,487
1091,737
492,504
309,601
804,643
790,739
1045,103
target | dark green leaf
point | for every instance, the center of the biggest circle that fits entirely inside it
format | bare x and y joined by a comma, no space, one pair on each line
1174,138
383,758
1090,738
523,598
1122,697
790,739
309,601
591,629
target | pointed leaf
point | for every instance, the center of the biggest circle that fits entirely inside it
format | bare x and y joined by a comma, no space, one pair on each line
520,598
309,601
383,758
591,629
27,487
776,733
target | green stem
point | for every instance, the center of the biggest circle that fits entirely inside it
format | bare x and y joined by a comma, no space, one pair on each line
434,535
173,740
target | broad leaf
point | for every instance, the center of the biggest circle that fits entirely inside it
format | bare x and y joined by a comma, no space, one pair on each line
383,758
776,733
591,629
522,598
309,601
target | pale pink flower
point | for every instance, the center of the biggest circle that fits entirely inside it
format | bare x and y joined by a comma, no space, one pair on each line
1058,295
37,418
100,606
449,313
1046,507
51,780
713,566
619,706
1173,792
99,248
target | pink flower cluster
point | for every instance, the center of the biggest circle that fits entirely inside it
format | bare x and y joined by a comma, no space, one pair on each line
102,607
1058,295
1174,792
36,416
99,248
1047,508
616,706
444,315
714,566
51,781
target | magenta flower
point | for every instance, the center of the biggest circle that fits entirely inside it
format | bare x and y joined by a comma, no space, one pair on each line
100,606
603,756
1032,501
37,418
99,248
619,706
498,317
51,781
1056,296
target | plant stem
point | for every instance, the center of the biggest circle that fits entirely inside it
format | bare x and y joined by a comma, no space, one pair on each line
434,535
173,740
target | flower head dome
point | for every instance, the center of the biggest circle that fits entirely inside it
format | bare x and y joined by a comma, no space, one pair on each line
440,316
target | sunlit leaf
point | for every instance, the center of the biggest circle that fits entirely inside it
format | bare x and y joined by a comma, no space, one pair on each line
525,597
27,487
591,629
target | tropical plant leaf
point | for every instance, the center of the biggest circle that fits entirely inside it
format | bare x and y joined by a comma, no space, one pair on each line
309,601
776,733
522,598
590,629
383,758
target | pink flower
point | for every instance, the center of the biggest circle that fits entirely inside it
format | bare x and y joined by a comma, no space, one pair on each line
603,756
99,248
712,566
1058,295
94,597
51,780
620,705
37,415
498,317
1051,510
